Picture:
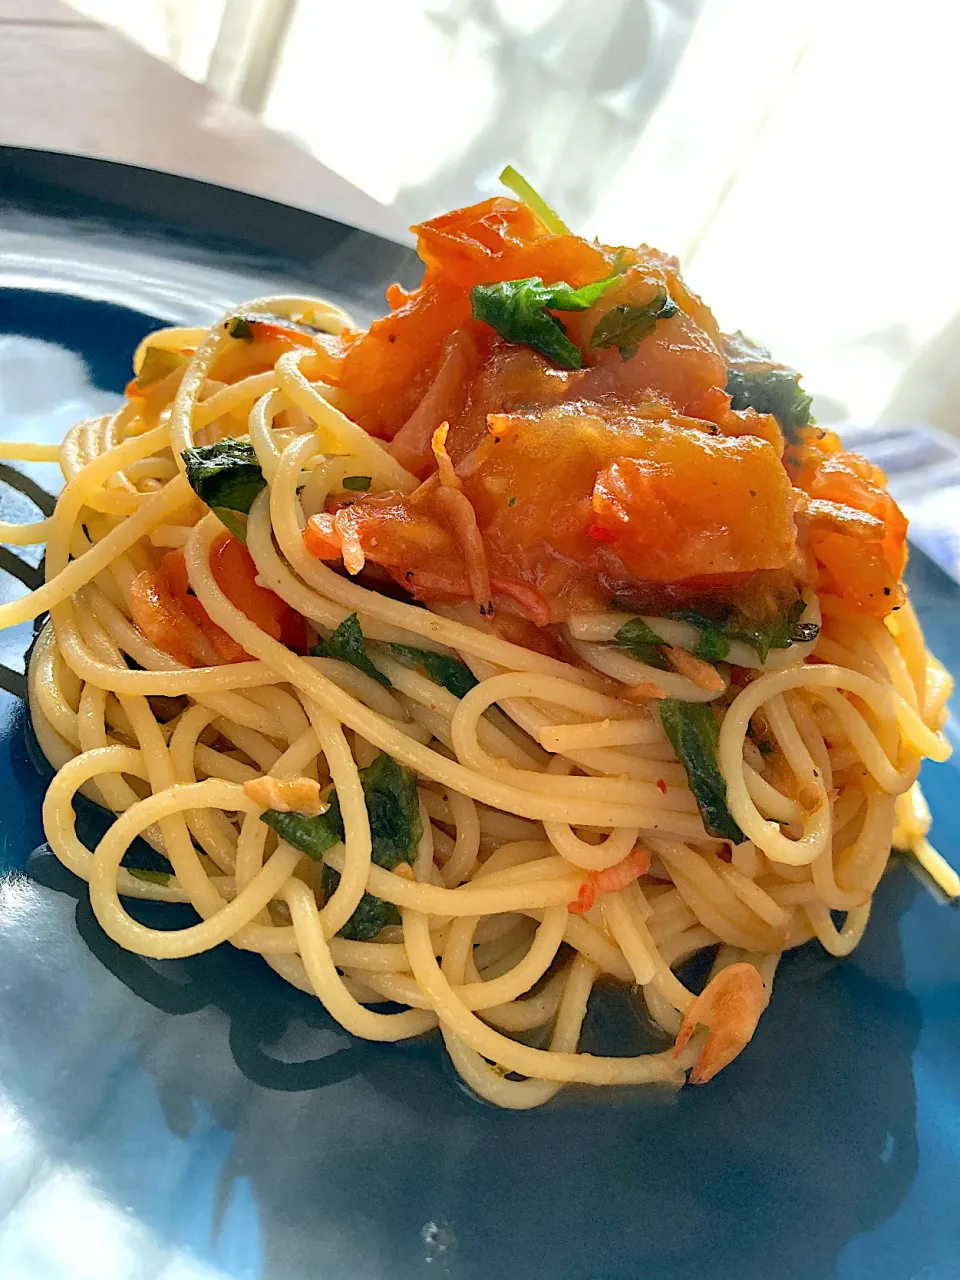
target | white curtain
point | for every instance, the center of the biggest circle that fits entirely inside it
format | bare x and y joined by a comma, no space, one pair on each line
798,155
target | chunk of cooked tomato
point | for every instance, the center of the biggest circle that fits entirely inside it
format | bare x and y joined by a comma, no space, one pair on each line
580,502
387,371
629,476
464,245
235,574
678,360
862,566
691,508
173,619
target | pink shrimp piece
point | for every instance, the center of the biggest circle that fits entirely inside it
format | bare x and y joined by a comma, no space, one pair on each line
459,508
528,598
730,1005
464,520
610,879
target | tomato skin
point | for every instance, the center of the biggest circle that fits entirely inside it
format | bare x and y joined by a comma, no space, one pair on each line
502,239
320,538
235,574
464,244
226,647
173,569
712,406
158,616
164,608
858,572
677,362
464,352
512,378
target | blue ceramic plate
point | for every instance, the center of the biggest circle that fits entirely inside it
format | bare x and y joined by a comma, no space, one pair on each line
200,1118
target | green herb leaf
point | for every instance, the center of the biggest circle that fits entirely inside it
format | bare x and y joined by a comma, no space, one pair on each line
156,365
150,877
626,325
370,915
563,297
225,475
755,381
781,633
233,521
241,328
713,643
775,391
517,309
390,791
357,484
454,676
244,325
693,732
642,643
312,836
522,189
347,645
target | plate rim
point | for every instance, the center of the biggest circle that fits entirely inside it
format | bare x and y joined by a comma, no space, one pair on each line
74,187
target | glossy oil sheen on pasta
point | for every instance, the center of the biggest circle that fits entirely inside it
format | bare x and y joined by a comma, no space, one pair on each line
601,645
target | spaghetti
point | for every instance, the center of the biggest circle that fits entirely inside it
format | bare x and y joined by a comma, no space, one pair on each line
643,714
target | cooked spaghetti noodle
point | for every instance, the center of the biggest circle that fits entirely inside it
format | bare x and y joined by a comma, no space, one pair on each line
639,718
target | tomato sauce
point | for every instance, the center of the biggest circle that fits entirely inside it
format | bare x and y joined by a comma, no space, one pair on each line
629,477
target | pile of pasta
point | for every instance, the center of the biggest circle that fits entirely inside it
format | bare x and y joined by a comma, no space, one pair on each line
422,823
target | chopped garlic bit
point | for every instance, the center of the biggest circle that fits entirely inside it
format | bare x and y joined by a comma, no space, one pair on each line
287,795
